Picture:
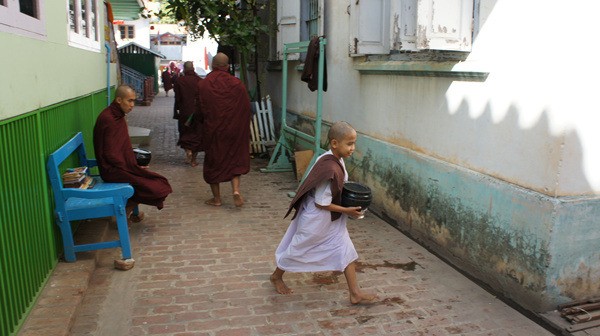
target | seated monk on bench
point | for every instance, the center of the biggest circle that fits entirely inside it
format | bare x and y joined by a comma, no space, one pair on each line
116,159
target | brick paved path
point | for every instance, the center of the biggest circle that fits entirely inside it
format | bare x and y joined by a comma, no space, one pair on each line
204,270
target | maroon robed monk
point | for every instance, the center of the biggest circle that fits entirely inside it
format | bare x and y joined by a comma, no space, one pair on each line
225,106
189,118
167,80
116,160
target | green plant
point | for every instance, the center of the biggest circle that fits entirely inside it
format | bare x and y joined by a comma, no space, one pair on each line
229,22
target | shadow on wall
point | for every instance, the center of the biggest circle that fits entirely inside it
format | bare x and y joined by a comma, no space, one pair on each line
535,248
504,144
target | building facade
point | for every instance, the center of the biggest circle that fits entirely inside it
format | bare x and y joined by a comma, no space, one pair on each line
472,140
59,74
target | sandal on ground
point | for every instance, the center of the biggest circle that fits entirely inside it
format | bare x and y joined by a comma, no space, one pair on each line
124,264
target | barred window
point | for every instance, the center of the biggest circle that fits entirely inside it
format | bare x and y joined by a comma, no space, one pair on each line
83,24
298,21
312,20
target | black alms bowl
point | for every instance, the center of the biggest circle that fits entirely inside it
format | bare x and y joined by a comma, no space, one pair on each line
142,156
356,194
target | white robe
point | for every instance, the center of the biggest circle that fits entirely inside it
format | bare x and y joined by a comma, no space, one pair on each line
312,242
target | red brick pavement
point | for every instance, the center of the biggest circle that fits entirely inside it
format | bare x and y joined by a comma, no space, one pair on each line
203,270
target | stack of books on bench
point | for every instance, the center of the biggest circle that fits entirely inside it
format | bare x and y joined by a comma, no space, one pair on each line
77,178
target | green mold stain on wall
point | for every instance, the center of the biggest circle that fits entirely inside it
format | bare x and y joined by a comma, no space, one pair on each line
471,234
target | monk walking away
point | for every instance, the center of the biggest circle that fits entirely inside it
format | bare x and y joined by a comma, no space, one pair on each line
226,109
189,118
317,239
167,80
116,159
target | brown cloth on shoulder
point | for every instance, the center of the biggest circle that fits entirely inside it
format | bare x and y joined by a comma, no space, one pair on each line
310,74
326,168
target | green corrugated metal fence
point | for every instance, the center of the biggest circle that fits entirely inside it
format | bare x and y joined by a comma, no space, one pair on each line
29,240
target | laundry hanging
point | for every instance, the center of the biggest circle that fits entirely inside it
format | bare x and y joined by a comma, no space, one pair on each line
310,74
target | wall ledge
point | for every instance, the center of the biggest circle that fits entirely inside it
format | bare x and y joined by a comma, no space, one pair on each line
459,71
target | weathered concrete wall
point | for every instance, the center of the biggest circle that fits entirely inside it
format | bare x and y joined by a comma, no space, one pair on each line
575,247
500,176
520,242
536,250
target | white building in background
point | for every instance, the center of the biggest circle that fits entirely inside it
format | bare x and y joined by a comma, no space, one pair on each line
137,31
178,45
201,52
171,40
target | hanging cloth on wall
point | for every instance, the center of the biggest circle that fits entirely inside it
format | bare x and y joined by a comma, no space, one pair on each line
310,74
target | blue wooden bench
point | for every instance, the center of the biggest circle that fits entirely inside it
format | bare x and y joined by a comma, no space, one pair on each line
102,200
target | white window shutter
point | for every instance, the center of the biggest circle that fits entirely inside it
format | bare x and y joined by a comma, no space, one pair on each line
370,33
288,18
403,34
444,24
321,17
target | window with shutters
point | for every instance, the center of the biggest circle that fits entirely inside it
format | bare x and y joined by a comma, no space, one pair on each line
83,25
381,27
298,20
23,17
414,37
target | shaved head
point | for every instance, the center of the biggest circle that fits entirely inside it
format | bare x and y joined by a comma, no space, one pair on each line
339,131
125,97
220,60
187,66
123,91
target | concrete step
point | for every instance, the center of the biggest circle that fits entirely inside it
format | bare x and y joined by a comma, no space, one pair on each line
140,136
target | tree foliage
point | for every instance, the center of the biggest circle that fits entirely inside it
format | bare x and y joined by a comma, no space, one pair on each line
229,22
157,12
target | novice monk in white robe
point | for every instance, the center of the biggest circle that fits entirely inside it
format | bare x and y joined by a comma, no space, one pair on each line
317,239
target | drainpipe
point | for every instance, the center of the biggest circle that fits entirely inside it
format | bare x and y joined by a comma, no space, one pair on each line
108,50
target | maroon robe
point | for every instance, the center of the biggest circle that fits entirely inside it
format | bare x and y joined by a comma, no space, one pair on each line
188,104
117,163
167,80
225,106
326,168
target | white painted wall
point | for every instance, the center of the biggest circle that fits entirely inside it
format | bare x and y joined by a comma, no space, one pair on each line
171,52
141,33
42,72
194,51
532,122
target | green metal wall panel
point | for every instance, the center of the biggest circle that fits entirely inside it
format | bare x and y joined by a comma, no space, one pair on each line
28,249
29,240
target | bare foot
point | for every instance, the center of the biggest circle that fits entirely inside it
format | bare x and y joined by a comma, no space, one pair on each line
238,200
188,156
212,202
280,286
136,218
363,299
